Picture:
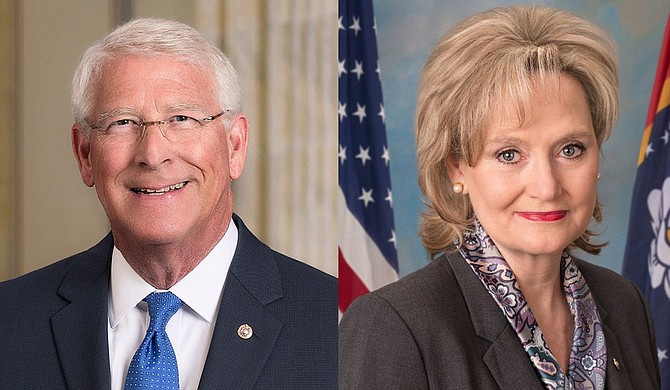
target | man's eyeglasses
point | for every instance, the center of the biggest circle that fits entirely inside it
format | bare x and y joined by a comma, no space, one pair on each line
174,128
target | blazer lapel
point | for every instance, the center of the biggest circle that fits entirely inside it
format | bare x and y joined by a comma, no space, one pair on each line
253,282
506,360
617,378
80,327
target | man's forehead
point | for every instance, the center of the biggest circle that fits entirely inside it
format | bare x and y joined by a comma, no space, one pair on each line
115,63
166,83
130,68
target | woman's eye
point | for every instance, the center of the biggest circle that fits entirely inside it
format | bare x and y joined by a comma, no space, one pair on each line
572,151
508,156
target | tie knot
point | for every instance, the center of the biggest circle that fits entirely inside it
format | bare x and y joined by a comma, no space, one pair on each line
162,306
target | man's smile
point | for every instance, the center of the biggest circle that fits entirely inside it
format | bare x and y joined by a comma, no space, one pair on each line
160,191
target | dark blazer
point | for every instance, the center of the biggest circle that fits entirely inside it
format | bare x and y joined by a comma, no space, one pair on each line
438,328
53,324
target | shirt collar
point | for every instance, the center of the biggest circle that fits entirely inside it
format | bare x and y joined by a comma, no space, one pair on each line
200,289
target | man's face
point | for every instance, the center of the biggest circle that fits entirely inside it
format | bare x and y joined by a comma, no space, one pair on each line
161,189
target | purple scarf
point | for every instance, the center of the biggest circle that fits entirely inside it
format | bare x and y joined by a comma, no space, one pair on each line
588,358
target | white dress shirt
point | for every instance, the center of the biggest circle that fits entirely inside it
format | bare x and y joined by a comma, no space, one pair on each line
190,329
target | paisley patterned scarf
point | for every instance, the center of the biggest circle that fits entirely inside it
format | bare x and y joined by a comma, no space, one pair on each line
588,358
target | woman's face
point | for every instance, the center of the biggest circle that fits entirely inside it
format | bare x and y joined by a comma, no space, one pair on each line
533,188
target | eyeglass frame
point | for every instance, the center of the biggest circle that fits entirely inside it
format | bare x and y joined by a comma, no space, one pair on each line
144,124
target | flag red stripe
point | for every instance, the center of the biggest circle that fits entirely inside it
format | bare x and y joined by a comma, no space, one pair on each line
661,75
350,286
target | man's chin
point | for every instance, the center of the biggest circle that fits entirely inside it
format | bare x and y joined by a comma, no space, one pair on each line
149,237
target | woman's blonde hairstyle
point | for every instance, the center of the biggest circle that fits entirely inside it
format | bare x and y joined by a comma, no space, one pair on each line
495,55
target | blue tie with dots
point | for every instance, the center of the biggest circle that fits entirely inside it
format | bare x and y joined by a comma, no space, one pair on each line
154,365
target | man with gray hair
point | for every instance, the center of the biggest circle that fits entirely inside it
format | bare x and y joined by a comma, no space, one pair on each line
180,294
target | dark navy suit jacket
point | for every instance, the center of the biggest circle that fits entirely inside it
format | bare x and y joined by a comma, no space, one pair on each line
53,324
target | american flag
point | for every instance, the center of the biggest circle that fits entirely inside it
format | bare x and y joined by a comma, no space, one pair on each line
367,254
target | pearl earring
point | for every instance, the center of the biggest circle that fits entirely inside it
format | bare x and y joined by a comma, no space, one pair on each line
458,188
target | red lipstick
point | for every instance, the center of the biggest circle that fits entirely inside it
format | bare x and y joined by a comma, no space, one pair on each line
549,216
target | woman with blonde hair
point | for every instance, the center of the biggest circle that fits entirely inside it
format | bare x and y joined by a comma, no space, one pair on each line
514,105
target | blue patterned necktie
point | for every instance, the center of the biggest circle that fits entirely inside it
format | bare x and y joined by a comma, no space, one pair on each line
154,365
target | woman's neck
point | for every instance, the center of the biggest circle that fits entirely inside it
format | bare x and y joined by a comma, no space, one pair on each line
540,280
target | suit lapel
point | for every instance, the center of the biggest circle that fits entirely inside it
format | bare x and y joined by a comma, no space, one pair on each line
252,283
617,379
80,327
506,360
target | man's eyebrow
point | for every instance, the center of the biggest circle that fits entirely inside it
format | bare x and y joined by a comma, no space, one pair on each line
130,111
116,112
185,107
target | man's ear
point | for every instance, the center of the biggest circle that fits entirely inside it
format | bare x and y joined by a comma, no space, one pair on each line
455,172
238,138
82,151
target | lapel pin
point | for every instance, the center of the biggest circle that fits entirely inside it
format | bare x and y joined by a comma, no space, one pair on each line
245,332
616,363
